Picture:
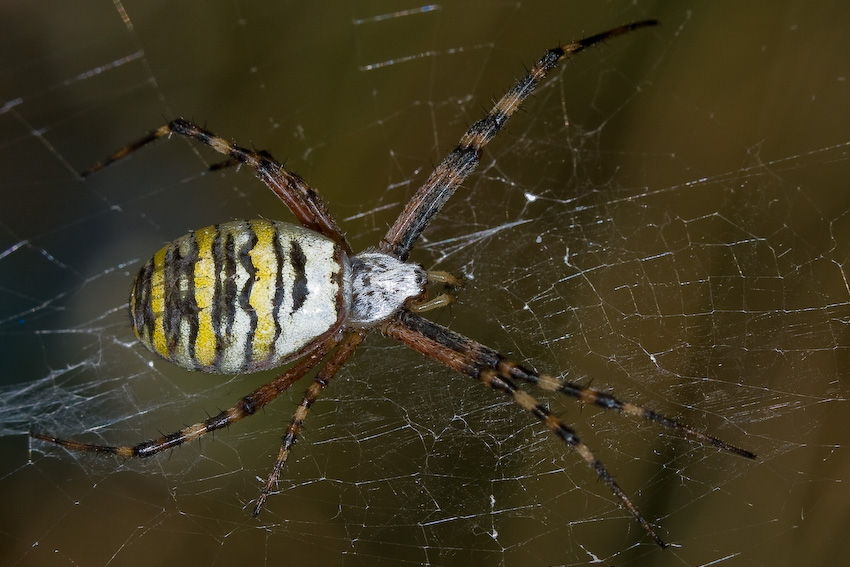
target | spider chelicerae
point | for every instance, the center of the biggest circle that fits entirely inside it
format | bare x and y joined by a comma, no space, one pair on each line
245,296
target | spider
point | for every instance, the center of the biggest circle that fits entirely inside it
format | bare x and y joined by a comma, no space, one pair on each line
245,296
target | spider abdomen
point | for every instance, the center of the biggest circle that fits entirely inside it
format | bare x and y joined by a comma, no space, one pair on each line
241,296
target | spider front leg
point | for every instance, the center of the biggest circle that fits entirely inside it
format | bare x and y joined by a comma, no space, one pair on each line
448,176
492,369
290,188
450,348
480,356
604,400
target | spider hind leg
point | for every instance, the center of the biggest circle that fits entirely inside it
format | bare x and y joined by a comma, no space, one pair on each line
291,189
246,406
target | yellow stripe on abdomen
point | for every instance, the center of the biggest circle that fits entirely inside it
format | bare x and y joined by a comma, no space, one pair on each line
157,299
205,279
240,296
263,290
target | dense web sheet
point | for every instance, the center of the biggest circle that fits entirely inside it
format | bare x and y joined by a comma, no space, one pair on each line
668,218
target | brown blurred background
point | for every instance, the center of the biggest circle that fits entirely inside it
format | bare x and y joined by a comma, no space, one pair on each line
666,218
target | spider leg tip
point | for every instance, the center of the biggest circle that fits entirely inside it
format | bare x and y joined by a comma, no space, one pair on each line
653,534
260,501
736,450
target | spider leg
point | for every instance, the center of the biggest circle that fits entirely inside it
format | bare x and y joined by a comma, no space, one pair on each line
607,401
492,369
320,382
450,348
295,193
248,405
452,171
477,355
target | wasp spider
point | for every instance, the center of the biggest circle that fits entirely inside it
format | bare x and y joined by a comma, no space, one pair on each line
251,295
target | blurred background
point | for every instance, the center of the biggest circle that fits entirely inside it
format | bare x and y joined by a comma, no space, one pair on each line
666,218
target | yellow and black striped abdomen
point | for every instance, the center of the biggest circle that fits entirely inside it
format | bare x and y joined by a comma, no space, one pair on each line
241,296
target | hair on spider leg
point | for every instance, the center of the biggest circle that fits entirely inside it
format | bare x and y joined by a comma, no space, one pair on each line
236,162
250,295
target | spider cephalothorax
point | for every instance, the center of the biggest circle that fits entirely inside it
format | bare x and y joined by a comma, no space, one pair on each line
250,295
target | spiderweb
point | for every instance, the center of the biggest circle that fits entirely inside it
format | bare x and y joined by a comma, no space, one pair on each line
668,218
